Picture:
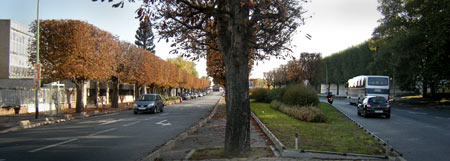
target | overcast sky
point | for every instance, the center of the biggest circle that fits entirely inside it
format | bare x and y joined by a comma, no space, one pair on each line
335,24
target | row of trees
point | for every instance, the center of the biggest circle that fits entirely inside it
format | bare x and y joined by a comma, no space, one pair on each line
237,30
78,51
410,45
307,68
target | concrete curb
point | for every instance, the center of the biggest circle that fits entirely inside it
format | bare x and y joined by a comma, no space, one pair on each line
26,124
171,143
278,145
386,145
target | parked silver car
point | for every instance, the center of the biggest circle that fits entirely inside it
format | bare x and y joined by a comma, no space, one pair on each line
152,103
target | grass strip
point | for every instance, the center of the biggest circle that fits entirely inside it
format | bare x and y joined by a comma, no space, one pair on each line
338,135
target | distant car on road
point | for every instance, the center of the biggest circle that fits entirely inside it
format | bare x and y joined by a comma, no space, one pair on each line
374,105
148,103
186,96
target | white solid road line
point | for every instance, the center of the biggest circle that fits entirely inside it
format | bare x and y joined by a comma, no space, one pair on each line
131,123
102,132
164,114
53,145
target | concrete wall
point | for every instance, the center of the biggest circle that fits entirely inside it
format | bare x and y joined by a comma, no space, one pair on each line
334,89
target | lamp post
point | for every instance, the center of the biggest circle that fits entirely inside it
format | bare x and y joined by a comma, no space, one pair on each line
38,66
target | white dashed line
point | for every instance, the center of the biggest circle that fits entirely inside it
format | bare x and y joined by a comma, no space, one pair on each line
131,123
109,122
164,114
102,132
53,145
418,113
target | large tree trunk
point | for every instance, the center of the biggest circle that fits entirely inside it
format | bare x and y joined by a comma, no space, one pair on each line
424,89
97,93
137,91
233,44
79,83
115,92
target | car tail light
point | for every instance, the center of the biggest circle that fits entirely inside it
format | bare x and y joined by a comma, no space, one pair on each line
368,105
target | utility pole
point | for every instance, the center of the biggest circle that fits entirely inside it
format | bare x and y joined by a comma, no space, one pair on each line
326,77
38,67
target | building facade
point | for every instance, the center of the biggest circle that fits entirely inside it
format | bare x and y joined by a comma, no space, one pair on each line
15,39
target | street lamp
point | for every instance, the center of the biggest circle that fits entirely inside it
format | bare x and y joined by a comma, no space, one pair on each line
38,66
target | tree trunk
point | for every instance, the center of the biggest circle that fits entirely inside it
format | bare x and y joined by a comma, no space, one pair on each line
69,94
115,92
233,44
137,89
424,89
97,93
79,83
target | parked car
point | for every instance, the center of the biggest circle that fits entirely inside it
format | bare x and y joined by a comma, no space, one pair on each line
374,105
200,94
195,95
152,103
186,96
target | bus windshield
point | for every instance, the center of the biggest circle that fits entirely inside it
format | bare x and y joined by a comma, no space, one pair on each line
377,81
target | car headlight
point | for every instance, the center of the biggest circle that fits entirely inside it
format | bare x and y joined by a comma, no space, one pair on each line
151,104
134,105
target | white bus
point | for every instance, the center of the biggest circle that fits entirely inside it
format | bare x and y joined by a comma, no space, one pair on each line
367,85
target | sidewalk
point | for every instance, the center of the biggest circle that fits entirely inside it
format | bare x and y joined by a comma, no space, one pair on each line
9,123
207,142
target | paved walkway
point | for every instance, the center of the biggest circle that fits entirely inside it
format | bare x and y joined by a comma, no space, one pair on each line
212,135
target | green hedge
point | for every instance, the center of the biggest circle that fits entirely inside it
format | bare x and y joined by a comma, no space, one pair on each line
300,95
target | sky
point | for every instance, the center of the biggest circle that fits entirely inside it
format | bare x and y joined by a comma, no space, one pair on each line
335,25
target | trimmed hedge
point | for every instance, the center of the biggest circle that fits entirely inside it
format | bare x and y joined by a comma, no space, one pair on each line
260,94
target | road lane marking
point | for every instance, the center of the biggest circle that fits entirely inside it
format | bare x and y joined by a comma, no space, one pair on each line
93,134
439,117
110,122
418,113
109,115
163,124
131,123
164,114
53,145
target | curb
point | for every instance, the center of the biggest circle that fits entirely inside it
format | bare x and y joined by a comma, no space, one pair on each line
169,145
278,145
386,145
26,124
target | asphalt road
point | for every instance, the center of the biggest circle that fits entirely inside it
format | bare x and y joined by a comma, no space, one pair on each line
115,137
420,134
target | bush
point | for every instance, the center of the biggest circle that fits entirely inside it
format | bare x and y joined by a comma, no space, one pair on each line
260,94
275,94
276,104
300,95
305,113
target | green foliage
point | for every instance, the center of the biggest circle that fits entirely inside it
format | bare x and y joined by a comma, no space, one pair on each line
347,64
300,95
144,37
187,66
275,94
413,37
260,94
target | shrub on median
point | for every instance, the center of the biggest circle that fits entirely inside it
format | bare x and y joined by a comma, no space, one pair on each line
300,95
260,94
303,113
